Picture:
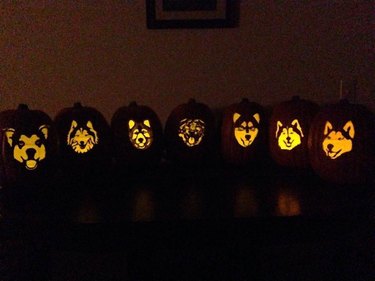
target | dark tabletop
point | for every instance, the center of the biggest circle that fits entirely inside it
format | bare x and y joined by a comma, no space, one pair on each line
189,223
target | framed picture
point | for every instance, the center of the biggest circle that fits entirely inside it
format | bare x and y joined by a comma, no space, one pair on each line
191,13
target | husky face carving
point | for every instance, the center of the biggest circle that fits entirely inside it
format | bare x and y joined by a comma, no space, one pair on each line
28,149
82,138
245,129
140,134
289,136
338,142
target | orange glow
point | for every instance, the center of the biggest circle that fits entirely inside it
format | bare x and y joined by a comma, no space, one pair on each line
287,204
245,203
144,205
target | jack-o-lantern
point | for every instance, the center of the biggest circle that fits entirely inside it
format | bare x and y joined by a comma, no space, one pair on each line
243,133
29,146
288,132
189,133
137,133
342,143
84,140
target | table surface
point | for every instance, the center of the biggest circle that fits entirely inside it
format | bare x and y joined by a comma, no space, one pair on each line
176,223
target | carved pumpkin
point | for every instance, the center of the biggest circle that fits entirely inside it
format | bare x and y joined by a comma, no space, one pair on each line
29,146
243,133
137,133
288,132
342,143
84,140
189,133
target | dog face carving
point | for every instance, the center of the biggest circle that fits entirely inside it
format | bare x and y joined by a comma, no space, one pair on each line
245,130
191,131
82,139
289,136
140,134
338,142
28,149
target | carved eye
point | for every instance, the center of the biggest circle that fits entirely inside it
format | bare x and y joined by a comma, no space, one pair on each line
21,144
38,142
252,129
240,128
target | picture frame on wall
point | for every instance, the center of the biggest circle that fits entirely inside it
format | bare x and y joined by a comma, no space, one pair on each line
191,13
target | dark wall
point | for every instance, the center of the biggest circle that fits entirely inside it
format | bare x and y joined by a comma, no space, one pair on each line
53,54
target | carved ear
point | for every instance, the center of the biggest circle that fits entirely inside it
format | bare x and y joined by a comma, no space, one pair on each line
72,127
44,130
327,128
236,116
9,135
349,128
131,124
89,125
257,117
147,123
296,123
279,125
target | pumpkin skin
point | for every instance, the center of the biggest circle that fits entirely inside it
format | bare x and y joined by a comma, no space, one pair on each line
85,141
29,150
342,143
5,118
189,134
244,133
289,125
137,134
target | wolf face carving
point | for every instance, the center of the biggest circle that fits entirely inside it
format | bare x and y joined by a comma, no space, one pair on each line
82,139
140,134
191,131
28,149
289,136
338,142
245,129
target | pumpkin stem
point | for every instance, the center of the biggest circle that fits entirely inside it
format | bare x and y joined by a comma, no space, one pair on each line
77,105
23,106
133,103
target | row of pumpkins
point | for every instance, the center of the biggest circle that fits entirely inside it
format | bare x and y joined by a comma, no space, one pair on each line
337,141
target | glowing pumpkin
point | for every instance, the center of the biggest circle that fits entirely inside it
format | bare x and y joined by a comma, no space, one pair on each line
189,133
84,140
243,133
288,132
342,143
137,133
29,146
